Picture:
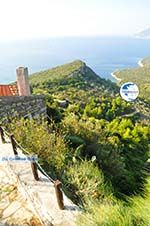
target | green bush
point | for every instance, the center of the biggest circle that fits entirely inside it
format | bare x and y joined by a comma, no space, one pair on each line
121,148
38,138
87,180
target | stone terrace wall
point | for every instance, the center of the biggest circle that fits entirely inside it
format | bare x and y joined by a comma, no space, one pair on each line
22,106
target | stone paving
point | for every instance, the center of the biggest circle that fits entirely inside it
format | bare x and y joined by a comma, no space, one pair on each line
24,201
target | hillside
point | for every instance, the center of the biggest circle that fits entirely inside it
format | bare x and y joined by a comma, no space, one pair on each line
139,75
74,80
77,83
146,62
62,72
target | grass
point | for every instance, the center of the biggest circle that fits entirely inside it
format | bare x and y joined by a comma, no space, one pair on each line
112,212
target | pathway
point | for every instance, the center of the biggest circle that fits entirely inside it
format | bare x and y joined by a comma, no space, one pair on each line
24,201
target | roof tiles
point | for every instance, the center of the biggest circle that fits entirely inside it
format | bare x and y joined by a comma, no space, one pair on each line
8,90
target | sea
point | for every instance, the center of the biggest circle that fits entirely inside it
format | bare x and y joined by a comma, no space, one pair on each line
103,54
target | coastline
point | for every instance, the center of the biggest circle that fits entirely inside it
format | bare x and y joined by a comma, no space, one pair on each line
114,76
119,79
140,63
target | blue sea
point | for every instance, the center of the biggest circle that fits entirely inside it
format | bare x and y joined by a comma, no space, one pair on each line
103,54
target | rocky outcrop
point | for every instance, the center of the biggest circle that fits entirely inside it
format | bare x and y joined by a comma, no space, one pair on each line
80,71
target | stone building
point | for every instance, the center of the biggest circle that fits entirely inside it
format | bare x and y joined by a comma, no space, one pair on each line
16,99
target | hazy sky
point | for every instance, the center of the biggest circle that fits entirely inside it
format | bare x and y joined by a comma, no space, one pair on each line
27,19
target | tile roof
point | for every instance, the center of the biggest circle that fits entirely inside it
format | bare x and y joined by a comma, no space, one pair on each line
8,90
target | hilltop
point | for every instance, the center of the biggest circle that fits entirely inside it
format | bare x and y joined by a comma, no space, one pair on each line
74,80
63,72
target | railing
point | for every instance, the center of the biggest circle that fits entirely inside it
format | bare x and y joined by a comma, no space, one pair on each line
34,166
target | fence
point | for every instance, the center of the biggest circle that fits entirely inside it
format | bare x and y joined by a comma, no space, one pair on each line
34,166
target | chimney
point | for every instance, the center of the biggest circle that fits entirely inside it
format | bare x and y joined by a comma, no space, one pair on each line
23,81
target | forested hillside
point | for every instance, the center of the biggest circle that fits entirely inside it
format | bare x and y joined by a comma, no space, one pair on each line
73,81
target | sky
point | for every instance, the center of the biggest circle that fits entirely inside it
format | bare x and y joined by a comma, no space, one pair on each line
29,19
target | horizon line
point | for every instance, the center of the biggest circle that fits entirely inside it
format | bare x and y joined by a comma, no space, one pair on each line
67,36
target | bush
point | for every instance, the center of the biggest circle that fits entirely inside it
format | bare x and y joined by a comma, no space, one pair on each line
38,138
86,180
121,148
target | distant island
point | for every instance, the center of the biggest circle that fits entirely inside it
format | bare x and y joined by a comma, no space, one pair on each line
145,34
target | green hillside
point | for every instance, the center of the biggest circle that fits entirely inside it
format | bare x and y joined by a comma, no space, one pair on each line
72,81
139,75
77,83
59,73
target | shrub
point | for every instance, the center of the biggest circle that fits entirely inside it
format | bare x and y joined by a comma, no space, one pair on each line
87,180
38,138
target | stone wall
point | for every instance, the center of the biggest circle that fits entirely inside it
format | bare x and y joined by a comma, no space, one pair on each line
22,106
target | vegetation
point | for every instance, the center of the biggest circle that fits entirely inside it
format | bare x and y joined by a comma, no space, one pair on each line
112,212
139,75
100,166
95,143
146,62
74,82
